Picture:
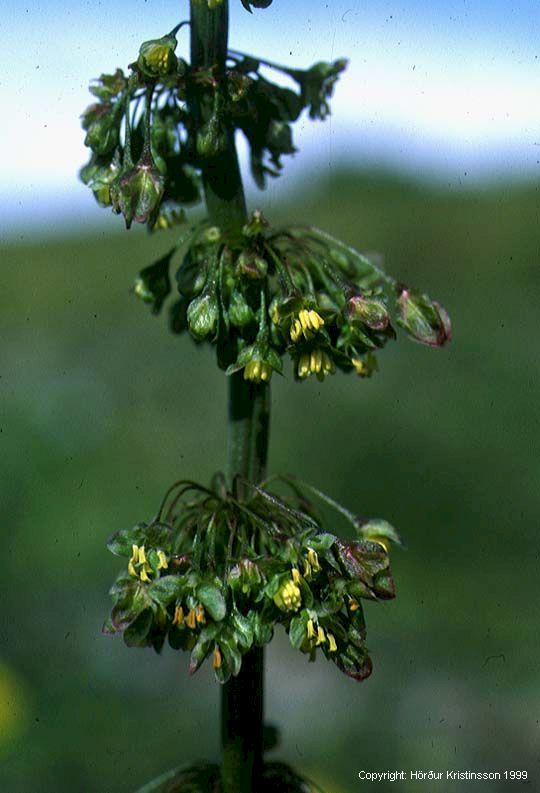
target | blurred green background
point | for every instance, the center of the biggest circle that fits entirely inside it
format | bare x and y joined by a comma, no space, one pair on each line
101,409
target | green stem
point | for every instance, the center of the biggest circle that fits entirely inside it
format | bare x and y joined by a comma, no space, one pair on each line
248,422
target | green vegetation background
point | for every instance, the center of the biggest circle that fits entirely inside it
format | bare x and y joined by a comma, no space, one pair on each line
101,408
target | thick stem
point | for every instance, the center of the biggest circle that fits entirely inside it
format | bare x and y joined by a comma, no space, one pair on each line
242,696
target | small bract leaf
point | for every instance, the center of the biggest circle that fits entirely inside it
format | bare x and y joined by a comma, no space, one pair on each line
213,600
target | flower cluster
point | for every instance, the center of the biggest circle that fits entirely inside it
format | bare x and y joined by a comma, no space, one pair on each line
153,130
293,291
215,574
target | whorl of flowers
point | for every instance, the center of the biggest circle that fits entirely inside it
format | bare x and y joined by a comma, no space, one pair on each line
214,574
295,291
149,144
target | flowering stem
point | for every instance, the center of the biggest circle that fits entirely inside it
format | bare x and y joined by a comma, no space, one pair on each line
242,696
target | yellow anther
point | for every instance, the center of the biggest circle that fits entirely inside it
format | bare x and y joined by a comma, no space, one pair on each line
310,630
162,563
316,361
288,597
258,371
178,616
321,638
313,560
303,365
328,364
199,613
191,619
296,575
296,330
304,318
216,661
266,372
316,321
332,646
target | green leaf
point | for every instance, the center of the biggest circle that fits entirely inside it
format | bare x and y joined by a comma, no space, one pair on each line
232,655
158,535
136,635
297,631
243,630
213,601
166,589
121,542
127,609
202,647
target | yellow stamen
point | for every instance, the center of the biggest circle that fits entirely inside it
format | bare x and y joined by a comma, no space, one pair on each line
332,646
316,320
216,662
303,316
288,597
303,365
266,372
296,330
328,364
315,363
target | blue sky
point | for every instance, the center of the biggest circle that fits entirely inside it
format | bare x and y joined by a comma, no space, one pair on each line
451,89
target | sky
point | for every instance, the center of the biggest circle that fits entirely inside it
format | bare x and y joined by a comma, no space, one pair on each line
448,89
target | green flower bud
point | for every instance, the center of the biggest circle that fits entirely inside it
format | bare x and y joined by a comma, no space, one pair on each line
424,319
240,312
369,311
251,265
157,58
140,190
211,138
203,315
102,125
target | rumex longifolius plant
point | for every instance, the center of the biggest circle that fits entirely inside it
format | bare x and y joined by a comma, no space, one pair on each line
219,567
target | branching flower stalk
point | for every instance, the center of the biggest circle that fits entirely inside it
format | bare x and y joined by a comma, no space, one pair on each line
221,566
